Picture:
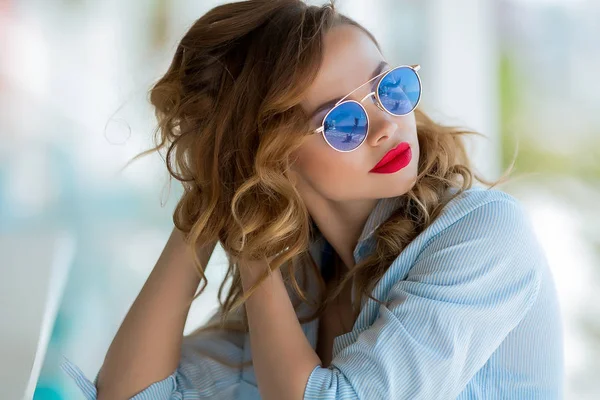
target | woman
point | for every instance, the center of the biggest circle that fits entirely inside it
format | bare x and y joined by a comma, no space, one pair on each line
363,263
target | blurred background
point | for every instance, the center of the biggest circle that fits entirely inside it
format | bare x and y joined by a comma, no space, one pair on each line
78,237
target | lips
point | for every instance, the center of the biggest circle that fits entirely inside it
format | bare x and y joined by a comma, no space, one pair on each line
394,160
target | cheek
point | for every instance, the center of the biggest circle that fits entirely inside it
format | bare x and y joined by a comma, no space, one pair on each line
328,172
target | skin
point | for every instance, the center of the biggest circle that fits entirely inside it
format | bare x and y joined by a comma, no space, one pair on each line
340,193
337,187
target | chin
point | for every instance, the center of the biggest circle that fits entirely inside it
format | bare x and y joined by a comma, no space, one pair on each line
399,190
396,184
392,189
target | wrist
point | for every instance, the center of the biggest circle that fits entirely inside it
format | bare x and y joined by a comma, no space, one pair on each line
251,272
177,261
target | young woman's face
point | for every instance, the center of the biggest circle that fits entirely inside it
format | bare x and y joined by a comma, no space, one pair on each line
351,59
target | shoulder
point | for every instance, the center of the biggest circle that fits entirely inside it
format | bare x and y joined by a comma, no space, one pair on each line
482,242
479,232
479,227
480,209
474,198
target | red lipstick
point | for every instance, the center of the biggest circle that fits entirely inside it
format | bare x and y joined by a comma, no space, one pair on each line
394,160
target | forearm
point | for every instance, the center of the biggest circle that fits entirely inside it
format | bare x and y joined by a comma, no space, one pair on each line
282,355
147,346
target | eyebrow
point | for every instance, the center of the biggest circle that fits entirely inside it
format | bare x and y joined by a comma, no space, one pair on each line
332,102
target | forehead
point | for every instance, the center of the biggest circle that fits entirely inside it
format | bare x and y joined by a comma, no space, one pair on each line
349,58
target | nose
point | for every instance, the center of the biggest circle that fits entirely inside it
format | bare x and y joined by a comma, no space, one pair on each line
381,126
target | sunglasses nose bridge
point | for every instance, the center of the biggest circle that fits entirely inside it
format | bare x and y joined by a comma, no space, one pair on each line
367,96
372,95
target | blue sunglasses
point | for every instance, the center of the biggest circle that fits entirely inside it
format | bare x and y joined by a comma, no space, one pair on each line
346,125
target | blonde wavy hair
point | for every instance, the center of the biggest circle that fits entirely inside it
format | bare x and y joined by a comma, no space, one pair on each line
229,129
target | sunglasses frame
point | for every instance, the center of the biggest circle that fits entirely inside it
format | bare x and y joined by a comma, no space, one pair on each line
375,93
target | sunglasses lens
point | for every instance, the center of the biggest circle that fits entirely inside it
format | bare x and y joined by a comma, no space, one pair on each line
346,126
400,90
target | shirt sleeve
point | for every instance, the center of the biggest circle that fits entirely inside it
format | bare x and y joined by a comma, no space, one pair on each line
197,376
467,289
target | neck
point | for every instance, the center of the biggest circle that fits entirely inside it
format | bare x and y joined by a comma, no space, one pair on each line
341,223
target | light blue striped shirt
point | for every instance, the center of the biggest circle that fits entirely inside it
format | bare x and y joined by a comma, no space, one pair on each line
470,312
